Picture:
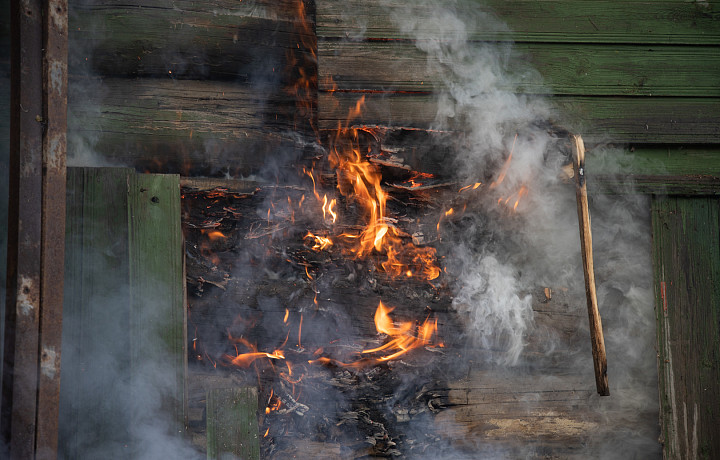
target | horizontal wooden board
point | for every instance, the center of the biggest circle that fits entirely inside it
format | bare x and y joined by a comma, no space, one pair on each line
605,21
656,120
218,39
177,125
573,69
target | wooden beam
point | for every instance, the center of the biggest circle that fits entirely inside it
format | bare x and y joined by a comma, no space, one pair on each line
532,68
190,126
31,376
599,21
221,40
661,120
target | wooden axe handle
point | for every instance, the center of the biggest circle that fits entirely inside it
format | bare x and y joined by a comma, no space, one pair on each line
596,332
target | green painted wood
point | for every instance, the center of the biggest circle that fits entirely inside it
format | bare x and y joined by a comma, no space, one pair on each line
561,69
615,119
157,303
123,326
166,125
686,253
232,427
95,364
217,38
600,21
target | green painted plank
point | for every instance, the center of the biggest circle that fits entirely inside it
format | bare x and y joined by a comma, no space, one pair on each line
123,324
657,120
600,21
686,252
232,427
157,304
570,69
95,364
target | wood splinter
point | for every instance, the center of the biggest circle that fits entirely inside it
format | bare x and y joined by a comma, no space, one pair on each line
596,333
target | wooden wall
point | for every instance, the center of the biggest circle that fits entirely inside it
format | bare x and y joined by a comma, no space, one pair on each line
644,75
641,74
185,86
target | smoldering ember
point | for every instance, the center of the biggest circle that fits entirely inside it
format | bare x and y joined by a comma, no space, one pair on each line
420,229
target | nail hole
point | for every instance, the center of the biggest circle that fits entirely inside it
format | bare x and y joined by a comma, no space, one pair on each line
26,290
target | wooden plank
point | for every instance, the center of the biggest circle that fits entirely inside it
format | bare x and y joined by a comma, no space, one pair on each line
157,304
232,427
218,39
124,334
686,253
603,21
96,316
661,120
562,69
177,125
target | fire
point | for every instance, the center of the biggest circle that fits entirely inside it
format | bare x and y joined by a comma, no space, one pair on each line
319,243
402,333
360,181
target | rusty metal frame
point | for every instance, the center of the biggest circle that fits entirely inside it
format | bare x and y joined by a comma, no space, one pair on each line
36,228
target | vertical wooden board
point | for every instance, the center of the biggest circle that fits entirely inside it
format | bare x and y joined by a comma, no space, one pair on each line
232,427
158,331
96,318
686,252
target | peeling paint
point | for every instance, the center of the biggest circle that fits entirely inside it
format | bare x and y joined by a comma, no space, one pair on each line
49,362
25,299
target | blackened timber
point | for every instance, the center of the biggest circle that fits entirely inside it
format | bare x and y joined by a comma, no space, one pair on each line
164,125
223,39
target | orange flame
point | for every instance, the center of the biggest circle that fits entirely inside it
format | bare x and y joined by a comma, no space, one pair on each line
360,181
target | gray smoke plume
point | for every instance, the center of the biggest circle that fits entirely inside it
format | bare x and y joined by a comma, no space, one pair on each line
503,254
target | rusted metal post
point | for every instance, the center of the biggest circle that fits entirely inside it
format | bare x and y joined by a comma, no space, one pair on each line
36,228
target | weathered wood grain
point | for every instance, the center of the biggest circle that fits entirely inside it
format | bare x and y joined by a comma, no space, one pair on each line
96,303
123,328
602,21
232,427
561,69
686,253
661,120
177,125
218,39
157,304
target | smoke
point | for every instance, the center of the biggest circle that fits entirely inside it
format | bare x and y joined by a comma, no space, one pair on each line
498,255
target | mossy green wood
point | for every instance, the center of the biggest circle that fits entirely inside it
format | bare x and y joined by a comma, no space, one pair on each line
123,290
158,326
686,253
232,427
600,21
533,68
96,315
